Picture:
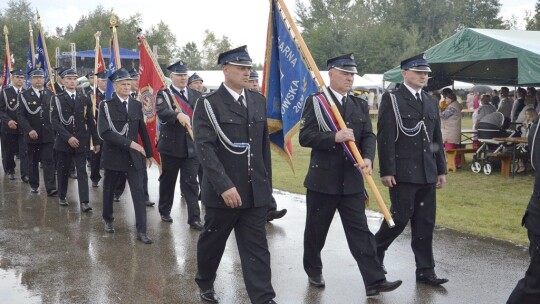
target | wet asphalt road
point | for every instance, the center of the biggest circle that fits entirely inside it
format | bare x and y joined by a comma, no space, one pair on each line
54,254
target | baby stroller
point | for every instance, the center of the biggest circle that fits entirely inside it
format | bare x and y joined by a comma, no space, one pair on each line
491,126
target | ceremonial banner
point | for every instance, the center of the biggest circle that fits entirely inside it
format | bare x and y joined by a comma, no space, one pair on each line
29,65
30,56
100,63
151,80
286,84
7,70
113,66
42,61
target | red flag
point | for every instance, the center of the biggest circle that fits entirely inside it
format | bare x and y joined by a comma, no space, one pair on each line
100,67
151,80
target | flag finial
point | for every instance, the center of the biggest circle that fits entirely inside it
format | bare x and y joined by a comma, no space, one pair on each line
113,21
6,31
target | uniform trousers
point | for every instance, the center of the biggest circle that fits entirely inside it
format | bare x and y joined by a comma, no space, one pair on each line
3,150
13,143
121,186
134,178
41,152
95,166
417,203
65,159
321,208
527,290
189,186
250,232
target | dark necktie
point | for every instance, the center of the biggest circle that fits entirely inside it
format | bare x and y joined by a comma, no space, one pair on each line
124,103
343,100
241,101
418,97
73,100
183,95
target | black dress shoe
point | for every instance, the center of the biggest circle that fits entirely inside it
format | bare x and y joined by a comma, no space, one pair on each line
275,214
166,218
52,192
25,179
317,281
149,203
382,286
109,227
95,184
116,198
11,176
196,225
63,202
143,238
432,280
384,269
85,207
209,295
34,190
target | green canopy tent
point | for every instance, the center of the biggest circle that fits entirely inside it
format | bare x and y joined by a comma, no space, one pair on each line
483,56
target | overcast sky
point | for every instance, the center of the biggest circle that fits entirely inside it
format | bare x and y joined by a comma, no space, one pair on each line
243,21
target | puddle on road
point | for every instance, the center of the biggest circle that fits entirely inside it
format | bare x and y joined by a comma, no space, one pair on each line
11,288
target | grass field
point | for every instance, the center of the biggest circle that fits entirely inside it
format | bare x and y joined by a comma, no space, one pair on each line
488,206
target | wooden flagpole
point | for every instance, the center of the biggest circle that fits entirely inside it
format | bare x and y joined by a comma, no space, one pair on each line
97,35
45,52
316,75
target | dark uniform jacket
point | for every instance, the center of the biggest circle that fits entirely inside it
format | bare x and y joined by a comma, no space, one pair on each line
82,125
8,99
411,159
174,140
330,169
116,154
223,169
41,120
531,220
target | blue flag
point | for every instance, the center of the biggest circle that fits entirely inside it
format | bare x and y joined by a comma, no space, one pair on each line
29,65
287,85
41,62
112,68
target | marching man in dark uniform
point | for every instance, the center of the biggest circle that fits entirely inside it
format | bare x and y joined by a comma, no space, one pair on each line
412,165
527,290
95,157
73,121
176,147
34,118
12,136
121,184
333,182
231,135
120,122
